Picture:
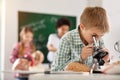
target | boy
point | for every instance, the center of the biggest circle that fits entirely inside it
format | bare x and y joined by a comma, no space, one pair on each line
76,45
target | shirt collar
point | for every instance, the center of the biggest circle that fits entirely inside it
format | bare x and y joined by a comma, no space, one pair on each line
77,40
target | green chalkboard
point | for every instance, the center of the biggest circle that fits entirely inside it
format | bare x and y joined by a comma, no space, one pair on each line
42,25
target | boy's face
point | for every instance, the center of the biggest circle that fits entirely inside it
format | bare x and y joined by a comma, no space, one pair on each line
88,33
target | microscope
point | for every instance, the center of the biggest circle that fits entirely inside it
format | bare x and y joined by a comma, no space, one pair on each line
98,53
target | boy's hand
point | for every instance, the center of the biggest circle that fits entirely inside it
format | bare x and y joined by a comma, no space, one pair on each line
106,58
77,67
86,52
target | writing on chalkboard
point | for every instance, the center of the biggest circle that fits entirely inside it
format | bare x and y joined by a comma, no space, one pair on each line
53,19
38,25
42,25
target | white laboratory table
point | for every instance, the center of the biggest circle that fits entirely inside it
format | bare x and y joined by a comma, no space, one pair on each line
36,75
74,77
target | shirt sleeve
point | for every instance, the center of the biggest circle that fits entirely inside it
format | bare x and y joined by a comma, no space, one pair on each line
14,53
50,38
62,57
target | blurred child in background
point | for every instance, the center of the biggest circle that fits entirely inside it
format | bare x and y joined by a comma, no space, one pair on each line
25,64
38,60
24,47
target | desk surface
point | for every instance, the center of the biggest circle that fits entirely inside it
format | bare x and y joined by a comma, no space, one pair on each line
74,77
68,76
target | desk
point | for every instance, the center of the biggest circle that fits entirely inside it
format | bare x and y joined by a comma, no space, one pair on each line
73,77
36,75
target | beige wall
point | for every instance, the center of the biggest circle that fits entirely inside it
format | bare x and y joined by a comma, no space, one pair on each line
113,10
0,25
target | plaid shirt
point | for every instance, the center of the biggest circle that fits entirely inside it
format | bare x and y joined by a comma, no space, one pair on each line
70,48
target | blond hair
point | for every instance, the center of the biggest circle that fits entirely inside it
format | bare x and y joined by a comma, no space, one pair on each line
25,30
95,17
38,55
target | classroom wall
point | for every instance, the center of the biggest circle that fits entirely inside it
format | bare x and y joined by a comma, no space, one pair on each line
0,26
113,10
0,34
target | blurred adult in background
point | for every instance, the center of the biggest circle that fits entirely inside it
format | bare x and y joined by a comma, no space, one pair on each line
62,26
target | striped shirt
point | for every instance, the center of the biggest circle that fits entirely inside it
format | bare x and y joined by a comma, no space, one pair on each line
69,50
